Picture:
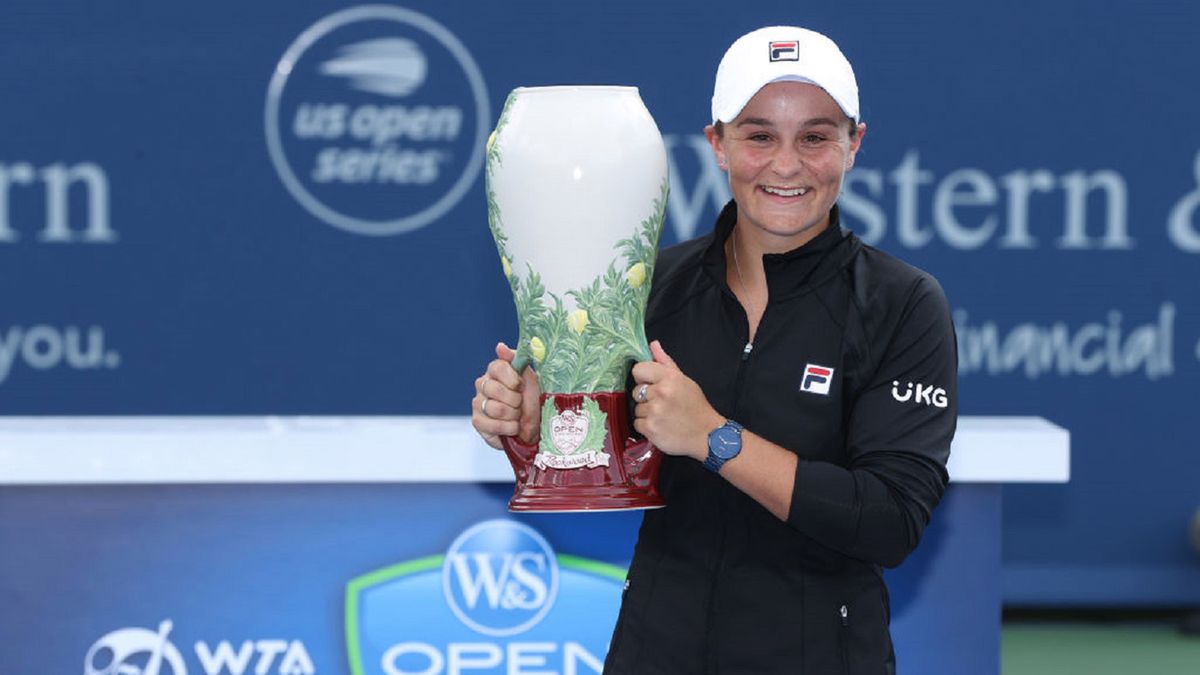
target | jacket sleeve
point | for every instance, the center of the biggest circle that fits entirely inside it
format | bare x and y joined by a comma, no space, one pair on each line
898,441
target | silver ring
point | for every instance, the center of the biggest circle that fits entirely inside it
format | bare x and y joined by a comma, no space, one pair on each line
641,393
483,407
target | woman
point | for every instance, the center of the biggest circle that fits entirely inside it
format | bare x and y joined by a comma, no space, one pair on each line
803,388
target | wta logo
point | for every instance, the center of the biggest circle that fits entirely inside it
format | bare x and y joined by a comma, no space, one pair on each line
115,653
500,600
377,119
140,651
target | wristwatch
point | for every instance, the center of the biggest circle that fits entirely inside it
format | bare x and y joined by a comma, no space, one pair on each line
724,443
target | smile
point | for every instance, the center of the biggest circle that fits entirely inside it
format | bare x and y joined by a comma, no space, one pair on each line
784,192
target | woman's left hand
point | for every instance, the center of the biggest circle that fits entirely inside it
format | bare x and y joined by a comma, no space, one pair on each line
671,410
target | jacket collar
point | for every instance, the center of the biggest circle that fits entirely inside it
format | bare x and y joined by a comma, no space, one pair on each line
788,273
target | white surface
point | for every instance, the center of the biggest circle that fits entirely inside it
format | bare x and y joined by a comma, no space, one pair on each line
1010,450
83,450
567,190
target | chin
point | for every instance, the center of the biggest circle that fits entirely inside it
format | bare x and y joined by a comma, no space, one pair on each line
793,228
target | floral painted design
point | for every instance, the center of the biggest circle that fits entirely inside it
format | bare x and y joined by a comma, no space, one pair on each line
590,348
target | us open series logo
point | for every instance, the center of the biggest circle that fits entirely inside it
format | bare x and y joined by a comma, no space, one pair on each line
377,120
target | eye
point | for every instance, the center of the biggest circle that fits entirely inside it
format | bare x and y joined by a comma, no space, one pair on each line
759,137
813,138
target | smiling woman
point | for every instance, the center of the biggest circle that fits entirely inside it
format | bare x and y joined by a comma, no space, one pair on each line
786,153
767,555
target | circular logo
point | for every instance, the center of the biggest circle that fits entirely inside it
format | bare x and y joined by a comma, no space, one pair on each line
377,120
117,652
500,577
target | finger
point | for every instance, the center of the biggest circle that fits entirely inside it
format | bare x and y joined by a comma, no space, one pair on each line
639,425
648,372
504,352
501,394
500,428
530,384
503,373
498,410
531,406
660,355
528,429
641,410
488,425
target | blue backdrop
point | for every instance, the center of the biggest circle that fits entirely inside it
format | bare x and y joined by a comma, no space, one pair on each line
219,208
387,580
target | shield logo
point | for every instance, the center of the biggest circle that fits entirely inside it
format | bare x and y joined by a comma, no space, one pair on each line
568,429
372,597
499,581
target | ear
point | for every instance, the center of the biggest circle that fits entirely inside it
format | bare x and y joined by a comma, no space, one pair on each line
717,143
855,145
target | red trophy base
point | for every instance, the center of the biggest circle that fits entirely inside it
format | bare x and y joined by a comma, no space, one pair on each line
628,480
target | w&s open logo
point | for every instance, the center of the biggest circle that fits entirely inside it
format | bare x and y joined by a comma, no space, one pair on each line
500,577
377,119
499,600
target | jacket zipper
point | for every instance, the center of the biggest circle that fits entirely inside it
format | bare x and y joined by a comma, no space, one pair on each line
744,363
737,396
739,382
845,615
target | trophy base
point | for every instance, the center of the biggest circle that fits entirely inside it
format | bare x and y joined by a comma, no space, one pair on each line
618,476
581,499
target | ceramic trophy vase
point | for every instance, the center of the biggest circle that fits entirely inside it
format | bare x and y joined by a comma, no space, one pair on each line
576,191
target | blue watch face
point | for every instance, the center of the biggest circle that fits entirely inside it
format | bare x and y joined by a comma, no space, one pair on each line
725,443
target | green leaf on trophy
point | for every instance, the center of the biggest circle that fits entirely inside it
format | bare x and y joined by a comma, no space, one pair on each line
597,426
589,351
546,442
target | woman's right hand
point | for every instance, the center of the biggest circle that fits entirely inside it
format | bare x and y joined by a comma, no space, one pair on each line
511,401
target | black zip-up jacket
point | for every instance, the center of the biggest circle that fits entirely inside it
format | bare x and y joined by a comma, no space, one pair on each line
853,368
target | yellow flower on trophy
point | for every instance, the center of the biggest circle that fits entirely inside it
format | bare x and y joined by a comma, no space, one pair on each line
491,140
578,320
538,349
636,276
507,266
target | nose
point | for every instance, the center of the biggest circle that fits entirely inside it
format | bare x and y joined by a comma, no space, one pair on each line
787,161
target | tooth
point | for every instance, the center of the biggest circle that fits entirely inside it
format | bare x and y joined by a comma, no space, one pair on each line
785,192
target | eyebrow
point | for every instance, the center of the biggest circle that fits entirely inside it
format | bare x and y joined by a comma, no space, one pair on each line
763,122
756,121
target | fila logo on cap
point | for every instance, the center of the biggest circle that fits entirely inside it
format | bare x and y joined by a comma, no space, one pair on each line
816,379
785,51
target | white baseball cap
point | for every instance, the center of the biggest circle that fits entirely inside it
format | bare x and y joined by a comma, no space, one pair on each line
781,54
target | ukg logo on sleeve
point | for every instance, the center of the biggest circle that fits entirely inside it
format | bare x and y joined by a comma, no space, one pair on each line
500,600
377,120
